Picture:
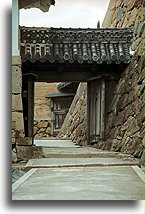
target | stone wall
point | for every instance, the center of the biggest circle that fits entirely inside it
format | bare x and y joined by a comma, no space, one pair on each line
17,109
42,129
75,124
124,119
42,109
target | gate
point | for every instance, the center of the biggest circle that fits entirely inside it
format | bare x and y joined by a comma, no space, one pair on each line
96,110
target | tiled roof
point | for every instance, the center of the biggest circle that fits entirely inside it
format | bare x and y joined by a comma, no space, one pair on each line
76,45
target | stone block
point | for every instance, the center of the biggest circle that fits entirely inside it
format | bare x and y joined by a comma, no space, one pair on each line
35,123
118,3
132,4
112,5
16,80
41,130
120,86
42,124
108,18
126,2
16,60
13,124
13,140
14,157
123,101
35,130
17,102
132,17
133,127
17,119
13,133
140,29
119,119
48,130
28,152
135,44
24,141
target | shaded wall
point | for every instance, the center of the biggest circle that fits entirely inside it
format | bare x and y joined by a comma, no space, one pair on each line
42,109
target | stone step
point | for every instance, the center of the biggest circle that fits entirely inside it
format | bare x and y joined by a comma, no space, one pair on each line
55,143
83,152
77,162
81,183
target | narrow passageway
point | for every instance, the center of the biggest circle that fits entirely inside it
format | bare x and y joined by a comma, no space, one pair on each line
70,172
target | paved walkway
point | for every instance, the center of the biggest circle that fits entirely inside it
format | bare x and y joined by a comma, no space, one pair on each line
69,172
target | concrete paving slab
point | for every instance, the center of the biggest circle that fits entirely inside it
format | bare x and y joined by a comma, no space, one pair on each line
55,143
81,183
73,162
83,152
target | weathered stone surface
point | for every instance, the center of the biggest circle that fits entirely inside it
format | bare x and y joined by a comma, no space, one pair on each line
41,130
14,157
16,60
17,102
13,140
16,80
17,118
135,44
24,141
108,18
112,5
35,130
133,3
126,2
48,130
27,152
42,124
118,3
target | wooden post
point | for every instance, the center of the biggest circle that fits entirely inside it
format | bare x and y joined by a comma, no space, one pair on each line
88,113
30,106
102,108
98,108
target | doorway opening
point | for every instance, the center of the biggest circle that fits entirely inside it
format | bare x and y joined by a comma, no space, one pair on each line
51,105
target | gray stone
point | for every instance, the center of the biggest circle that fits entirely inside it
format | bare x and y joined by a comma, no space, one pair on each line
136,43
35,130
112,5
17,102
16,80
66,162
142,159
14,157
54,143
26,152
123,101
108,18
105,183
17,118
24,141
16,60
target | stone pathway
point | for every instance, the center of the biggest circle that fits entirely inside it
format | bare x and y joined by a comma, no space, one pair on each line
70,172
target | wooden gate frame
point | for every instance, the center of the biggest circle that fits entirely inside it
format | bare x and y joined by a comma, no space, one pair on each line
95,110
